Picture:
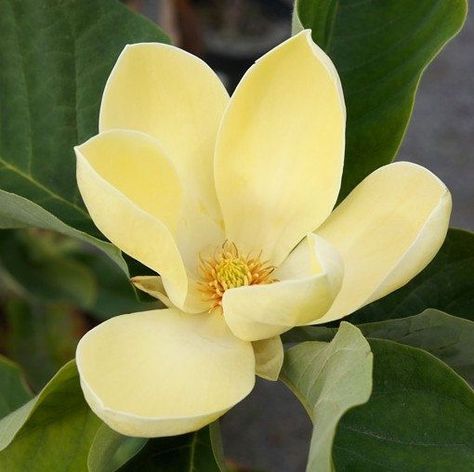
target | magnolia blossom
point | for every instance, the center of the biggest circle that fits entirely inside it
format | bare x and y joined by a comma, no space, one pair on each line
230,201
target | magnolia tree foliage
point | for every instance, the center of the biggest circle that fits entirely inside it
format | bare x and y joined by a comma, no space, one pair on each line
250,224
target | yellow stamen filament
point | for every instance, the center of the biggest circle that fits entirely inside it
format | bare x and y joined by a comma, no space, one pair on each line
227,269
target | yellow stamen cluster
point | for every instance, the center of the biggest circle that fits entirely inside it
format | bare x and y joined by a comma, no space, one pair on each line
227,268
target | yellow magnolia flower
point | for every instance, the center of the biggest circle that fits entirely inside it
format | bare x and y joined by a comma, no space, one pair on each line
230,201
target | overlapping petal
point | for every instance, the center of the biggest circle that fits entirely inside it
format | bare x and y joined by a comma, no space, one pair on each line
308,282
163,372
153,285
172,95
387,230
269,356
279,152
134,196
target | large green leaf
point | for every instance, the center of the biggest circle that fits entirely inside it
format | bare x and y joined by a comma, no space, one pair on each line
13,389
380,49
55,58
447,284
329,379
53,431
420,417
447,337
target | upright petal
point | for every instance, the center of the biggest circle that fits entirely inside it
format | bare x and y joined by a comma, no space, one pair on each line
279,152
308,282
134,196
163,372
172,95
387,230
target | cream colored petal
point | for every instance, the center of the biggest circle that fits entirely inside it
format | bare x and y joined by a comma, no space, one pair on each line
280,148
387,230
269,357
153,285
134,196
175,97
262,311
163,372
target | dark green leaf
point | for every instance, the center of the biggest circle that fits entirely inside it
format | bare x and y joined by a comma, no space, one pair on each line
420,417
41,268
115,294
380,49
111,450
18,212
52,432
190,452
13,389
329,379
447,337
45,267
55,58
41,337
447,284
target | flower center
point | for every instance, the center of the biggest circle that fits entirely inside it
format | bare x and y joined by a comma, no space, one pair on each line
227,268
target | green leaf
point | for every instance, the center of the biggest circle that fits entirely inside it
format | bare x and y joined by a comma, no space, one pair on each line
111,450
420,417
447,337
380,49
200,451
329,379
41,337
18,212
197,452
41,268
53,431
46,267
446,284
116,295
13,389
56,57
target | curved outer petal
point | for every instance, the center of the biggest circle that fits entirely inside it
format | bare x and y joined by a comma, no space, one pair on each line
163,372
387,230
309,280
279,152
172,95
134,196
269,356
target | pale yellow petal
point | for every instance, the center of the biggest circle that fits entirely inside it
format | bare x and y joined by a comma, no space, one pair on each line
304,291
134,196
175,97
163,372
153,285
269,356
280,148
387,230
